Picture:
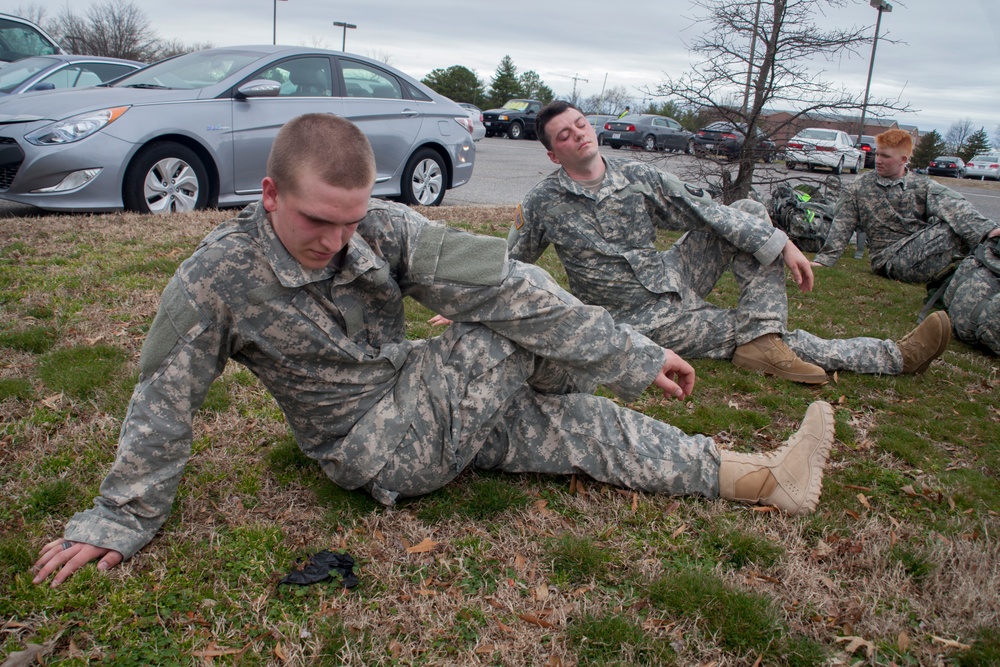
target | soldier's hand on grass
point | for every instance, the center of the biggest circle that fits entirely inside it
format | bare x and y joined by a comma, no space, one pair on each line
799,266
439,320
71,556
676,378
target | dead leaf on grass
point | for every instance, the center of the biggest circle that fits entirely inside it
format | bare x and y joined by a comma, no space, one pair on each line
910,491
903,642
520,564
950,643
680,530
854,643
863,500
484,649
534,620
280,652
424,547
542,593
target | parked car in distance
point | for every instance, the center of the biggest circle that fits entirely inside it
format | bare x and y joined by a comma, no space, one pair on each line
598,121
647,131
727,139
821,147
866,144
516,119
983,167
195,131
946,165
59,71
476,117
20,38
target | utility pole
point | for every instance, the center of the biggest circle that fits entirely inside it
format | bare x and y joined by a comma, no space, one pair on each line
881,6
576,77
753,50
345,26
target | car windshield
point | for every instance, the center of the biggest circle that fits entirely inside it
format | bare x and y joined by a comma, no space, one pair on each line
18,72
946,158
978,158
818,135
190,71
516,105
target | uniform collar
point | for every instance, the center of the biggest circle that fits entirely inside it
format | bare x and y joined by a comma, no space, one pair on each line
614,178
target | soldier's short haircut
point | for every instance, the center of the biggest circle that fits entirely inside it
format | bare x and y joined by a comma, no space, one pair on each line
329,146
548,112
895,138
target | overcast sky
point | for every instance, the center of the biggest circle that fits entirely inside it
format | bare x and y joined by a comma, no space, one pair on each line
945,64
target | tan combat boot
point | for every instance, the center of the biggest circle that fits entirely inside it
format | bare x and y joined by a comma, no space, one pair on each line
768,353
790,478
925,343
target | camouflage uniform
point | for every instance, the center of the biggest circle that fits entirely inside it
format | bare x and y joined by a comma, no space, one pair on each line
395,416
972,300
915,226
606,244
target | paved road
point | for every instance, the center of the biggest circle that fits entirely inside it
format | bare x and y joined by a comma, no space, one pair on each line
506,170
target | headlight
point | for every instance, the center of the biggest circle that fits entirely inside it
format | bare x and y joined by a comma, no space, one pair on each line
75,128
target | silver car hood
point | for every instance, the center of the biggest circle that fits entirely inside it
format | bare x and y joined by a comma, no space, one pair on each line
59,104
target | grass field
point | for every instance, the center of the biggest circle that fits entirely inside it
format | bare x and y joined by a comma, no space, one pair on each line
899,566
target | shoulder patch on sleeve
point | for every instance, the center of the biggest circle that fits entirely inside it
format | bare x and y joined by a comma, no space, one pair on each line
453,256
693,191
519,218
175,317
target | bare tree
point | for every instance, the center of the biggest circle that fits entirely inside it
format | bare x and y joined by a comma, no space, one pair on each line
613,101
957,135
995,140
763,54
115,28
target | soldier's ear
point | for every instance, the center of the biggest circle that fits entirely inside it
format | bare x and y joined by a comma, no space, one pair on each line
552,156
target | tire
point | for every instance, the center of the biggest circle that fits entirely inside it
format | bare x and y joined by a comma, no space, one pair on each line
424,179
857,166
616,146
839,169
649,143
515,131
489,134
600,140
790,165
689,147
165,178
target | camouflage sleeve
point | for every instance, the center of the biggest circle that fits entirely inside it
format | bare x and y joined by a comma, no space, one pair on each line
468,278
526,241
682,206
950,206
845,220
181,357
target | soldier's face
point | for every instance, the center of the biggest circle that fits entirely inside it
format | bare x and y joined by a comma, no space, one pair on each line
574,142
890,162
315,220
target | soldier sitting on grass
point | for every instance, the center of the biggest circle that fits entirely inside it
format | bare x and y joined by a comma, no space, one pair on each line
305,288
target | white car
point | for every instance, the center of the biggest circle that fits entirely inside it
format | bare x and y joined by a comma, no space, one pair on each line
476,116
821,147
983,166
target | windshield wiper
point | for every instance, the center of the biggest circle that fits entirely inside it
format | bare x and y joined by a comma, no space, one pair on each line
147,86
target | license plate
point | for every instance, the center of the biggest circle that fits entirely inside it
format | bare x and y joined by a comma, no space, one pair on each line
709,145
487,123
616,135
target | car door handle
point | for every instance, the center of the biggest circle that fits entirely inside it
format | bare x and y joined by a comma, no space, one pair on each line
409,113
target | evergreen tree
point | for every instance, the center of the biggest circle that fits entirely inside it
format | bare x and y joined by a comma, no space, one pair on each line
977,144
457,83
504,84
929,147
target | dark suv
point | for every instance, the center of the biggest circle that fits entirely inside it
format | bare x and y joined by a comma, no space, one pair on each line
516,119
867,146
725,138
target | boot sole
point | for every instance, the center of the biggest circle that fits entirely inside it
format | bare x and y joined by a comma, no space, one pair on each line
945,323
770,369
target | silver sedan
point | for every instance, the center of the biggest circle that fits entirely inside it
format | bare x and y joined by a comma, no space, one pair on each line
195,131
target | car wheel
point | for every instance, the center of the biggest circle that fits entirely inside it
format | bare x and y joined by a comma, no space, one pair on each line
616,146
515,131
857,166
165,178
689,148
790,165
768,157
600,140
839,169
423,179
649,143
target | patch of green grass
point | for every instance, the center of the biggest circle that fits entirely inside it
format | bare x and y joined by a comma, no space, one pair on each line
52,497
578,560
915,564
217,399
985,649
744,623
615,640
483,498
81,371
37,339
16,388
738,548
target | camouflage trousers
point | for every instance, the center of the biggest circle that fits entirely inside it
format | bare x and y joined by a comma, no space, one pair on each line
921,255
973,303
692,327
491,404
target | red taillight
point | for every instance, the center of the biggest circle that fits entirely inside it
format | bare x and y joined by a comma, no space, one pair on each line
607,126
828,149
994,166
866,149
728,135
701,133
630,128
791,145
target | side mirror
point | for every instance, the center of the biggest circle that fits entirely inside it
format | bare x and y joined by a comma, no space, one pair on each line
259,88
43,86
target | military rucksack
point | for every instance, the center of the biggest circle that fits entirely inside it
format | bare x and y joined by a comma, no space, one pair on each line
804,213
987,253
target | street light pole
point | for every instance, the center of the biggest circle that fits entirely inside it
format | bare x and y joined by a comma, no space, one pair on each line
881,6
345,26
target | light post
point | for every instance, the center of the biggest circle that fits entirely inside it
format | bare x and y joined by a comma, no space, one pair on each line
345,26
881,6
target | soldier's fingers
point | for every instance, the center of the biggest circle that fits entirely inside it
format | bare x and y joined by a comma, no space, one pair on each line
112,559
55,556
